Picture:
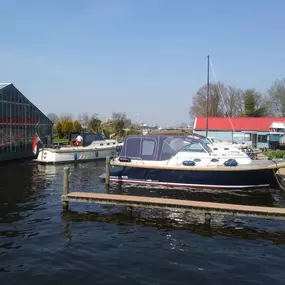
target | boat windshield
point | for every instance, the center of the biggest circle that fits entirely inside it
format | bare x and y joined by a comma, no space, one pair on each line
197,147
207,141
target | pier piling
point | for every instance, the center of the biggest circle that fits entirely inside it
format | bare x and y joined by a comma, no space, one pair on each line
65,187
107,177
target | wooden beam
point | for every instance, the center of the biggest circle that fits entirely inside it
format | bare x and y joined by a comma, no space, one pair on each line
150,202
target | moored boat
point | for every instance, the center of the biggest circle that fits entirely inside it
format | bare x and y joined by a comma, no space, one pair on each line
180,161
92,147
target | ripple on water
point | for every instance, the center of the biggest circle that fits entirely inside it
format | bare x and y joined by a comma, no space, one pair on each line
108,245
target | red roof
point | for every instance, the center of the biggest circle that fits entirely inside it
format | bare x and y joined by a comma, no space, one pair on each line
236,123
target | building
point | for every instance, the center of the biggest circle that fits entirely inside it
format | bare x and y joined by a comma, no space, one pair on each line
19,121
237,129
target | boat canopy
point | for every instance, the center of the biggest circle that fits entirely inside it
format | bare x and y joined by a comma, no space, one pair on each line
88,137
160,147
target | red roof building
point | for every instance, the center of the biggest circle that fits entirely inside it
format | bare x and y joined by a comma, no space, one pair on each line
236,124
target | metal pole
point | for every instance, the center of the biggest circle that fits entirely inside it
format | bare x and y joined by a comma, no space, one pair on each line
65,187
208,90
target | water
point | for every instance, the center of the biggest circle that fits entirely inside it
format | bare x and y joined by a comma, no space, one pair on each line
94,244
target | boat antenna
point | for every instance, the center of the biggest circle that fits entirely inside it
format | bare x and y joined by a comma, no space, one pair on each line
208,89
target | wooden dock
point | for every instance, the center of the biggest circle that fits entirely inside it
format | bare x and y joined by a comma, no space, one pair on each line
151,202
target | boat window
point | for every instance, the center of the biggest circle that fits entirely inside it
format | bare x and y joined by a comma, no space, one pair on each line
88,138
195,147
131,147
148,147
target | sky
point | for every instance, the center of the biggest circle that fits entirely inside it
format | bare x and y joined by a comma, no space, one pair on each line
146,58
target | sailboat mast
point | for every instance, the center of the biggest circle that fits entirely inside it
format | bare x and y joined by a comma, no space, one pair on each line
208,89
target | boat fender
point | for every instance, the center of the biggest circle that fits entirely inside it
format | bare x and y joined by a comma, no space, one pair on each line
231,162
189,163
124,159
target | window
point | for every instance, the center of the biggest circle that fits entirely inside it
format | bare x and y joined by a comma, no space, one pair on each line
195,147
262,138
148,147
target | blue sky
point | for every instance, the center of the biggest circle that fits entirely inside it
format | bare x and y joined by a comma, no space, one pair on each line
143,57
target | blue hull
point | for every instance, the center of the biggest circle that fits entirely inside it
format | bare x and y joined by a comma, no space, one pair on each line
243,179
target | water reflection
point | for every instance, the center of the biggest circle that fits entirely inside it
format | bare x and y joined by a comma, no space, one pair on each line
20,189
219,225
243,197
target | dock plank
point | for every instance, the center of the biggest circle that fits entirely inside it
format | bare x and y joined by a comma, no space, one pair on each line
152,202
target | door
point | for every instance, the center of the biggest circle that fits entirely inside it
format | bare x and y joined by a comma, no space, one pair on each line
254,140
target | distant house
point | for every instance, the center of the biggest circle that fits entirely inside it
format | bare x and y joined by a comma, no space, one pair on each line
146,129
237,129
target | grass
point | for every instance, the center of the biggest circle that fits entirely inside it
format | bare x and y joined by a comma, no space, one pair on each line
60,140
273,154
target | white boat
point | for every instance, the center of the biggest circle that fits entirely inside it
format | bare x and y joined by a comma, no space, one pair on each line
221,148
94,147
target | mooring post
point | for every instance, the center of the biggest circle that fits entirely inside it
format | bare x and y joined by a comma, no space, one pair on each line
65,186
107,176
208,218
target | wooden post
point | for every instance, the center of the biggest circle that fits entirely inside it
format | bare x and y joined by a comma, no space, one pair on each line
107,176
208,218
65,187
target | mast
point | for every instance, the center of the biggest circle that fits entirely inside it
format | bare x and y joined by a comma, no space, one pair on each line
208,89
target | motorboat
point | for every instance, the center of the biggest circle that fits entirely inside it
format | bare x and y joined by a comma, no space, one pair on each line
182,161
225,147
93,147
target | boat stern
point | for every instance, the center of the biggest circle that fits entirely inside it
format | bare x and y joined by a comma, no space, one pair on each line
46,156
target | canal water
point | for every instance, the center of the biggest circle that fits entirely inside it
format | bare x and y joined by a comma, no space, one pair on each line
97,244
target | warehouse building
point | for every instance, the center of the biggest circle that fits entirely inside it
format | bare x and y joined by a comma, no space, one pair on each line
20,120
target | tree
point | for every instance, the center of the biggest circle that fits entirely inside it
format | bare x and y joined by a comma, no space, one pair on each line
234,101
277,95
215,103
255,104
58,129
95,125
66,117
120,116
67,127
53,117
83,118
77,126
119,127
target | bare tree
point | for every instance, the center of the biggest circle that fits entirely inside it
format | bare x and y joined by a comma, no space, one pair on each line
83,118
120,116
277,97
215,103
53,117
234,101
66,117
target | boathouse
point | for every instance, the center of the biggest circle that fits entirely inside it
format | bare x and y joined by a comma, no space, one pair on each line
19,121
237,129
